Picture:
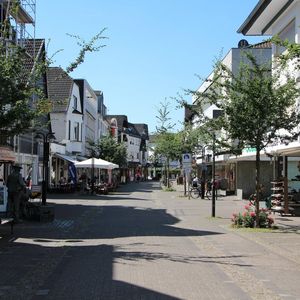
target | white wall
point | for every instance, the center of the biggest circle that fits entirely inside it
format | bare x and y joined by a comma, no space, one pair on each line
90,119
133,148
60,123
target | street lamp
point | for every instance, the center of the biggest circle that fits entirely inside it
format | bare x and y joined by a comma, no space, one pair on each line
46,139
216,114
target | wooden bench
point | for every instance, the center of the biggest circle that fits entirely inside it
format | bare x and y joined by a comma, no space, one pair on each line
8,221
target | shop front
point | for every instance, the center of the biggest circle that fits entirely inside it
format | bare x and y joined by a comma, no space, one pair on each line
7,157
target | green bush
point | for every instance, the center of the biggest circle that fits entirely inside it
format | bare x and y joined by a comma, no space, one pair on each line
247,218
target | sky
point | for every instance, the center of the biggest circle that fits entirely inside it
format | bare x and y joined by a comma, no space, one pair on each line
154,49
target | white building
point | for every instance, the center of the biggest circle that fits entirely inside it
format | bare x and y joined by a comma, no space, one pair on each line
230,172
136,139
282,18
66,119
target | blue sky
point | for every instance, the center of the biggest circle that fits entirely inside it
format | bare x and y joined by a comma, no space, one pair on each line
154,50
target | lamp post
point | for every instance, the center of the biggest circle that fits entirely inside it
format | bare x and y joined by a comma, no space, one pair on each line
216,114
203,171
213,208
46,138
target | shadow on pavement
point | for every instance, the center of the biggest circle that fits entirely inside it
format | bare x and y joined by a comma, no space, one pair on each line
149,256
32,272
105,222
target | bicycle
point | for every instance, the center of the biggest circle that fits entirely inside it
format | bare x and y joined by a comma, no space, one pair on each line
208,194
195,192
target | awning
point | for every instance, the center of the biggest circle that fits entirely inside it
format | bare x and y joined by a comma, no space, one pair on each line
6,154
96,163
70,159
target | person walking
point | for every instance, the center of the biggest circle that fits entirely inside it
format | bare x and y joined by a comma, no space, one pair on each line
15,187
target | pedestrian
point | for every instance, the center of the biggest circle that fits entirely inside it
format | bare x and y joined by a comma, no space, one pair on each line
15,187
195,181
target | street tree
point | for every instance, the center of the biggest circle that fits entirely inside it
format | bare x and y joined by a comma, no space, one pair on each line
258,109
22,100
109,149
168,144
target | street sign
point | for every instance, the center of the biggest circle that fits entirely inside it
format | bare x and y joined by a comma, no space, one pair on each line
186,158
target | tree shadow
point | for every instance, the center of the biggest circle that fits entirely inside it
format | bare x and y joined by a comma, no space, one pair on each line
32,272
150,256
85,221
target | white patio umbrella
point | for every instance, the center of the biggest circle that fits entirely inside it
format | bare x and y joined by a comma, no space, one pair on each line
96,163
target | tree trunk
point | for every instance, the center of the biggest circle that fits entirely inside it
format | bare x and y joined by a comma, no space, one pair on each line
257,181
168,171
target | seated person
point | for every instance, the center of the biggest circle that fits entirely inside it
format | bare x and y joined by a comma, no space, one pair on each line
195,181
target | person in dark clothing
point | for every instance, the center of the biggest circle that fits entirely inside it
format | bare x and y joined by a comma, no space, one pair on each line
15,187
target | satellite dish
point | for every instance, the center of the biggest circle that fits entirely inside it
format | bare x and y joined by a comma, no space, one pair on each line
243,44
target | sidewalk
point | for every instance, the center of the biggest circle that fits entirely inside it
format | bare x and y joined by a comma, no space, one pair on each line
144,243
234,205
284,241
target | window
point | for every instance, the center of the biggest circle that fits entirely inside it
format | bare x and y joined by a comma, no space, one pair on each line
76,131
69,135
75,102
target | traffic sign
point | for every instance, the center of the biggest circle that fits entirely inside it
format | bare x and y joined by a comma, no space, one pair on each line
186,158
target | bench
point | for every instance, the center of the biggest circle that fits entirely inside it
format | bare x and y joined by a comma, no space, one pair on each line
8,221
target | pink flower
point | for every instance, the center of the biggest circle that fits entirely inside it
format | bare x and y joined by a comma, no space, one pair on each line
245,214
252,214
247,207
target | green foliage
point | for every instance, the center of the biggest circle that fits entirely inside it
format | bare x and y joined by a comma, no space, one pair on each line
248,218
164,124
109,149
258,108
169,145
292,53
17,109
22,101
85,47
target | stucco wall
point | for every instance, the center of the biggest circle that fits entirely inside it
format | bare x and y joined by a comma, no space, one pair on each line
246,177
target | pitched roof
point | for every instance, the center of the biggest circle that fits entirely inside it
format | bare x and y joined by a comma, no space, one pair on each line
263,16
131,130
35,49
122,121
261,45
142,129
60,86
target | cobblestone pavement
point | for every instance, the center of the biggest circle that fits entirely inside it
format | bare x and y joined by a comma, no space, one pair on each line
144,243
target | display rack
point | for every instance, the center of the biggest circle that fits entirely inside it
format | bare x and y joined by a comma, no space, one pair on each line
279,197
